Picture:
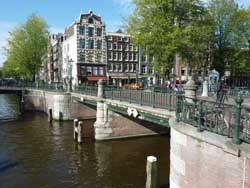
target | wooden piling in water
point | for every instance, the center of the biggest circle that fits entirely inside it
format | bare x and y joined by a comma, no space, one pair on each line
80,132
75,129
50,115
151,181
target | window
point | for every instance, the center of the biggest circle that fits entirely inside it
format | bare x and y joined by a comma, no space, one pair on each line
99,32
125,67
91,31
143,69
119,56
90,58
82,43
82,57
119,67
99,44
127,56
130,67
95,71
126,47
99,58
109,46
183,72
114,56
91,21
109,56
89,70
101,71
81,30
114,46
119,46
131,47
82,71
130,56
110,67
135,57
114,67
91,44
143,58
135,68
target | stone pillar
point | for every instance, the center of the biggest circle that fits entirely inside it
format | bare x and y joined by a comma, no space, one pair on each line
205,89
190,89
103,129
100,89
151,172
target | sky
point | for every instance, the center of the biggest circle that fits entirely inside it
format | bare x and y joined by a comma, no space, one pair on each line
61,13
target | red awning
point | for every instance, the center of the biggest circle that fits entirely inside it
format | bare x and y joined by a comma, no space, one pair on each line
96,78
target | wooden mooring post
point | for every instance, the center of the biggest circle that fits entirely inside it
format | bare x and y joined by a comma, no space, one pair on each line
75,128
50,115
151,181
78,131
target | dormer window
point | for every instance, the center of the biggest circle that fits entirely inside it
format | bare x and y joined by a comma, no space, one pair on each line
91,21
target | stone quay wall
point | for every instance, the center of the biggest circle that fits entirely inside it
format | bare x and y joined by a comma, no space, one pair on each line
62,105
205,160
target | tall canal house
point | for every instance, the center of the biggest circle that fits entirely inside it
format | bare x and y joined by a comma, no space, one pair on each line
122,58
84,50
54,65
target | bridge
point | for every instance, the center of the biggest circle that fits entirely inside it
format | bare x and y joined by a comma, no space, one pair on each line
207,140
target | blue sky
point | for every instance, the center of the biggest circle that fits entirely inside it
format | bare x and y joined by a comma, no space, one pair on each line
60,13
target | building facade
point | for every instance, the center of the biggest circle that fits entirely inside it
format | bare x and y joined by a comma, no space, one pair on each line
55,60
84,50
122,59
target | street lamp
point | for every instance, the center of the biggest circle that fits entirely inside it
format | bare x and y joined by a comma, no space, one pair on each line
70,61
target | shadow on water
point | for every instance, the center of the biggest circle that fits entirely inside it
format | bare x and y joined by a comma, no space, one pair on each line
7,164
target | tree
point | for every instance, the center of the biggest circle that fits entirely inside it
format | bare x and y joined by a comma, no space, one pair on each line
231,34
169,27
1,73
26,48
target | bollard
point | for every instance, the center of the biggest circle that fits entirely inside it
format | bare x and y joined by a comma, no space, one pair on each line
50,115
151,181
75,128
80,132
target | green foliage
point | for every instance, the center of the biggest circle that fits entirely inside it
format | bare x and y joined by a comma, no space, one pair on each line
231,36
26,48
1,73
170,27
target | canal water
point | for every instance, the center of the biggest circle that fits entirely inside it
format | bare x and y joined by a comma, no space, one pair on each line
34,153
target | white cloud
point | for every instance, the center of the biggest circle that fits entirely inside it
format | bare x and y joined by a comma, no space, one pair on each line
5,28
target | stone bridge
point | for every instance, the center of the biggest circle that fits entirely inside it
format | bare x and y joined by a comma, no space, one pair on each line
209,144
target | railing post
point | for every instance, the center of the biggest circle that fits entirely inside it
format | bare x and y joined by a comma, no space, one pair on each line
178,107
200,116
120,94
153,98
141,96
236,129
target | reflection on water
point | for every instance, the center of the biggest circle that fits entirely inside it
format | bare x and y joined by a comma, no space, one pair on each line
34,153
9,108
